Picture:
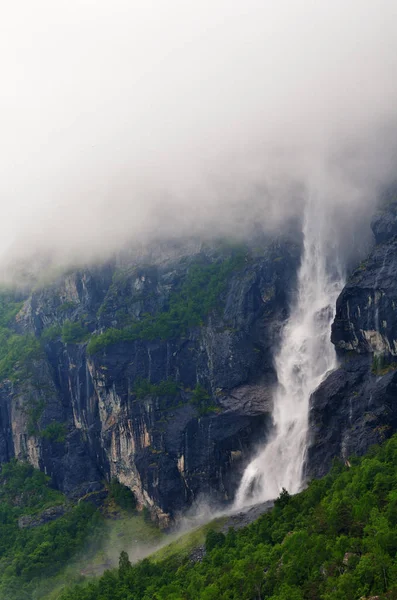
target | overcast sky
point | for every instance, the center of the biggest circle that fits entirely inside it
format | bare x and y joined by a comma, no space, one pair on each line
126,118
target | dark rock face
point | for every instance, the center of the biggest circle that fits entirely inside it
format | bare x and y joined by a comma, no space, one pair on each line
46,516
356,406
366,311
161,446
384,222
6,437
351,410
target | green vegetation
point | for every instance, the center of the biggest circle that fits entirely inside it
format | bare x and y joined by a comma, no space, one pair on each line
382,364
71,332
188,306
16,351
337,540
40,558
9,308
25,489
51,333
66,306
143,387
122,495
34,410
182,547
74,333
110,336
55,432
200,398
28,554
203,401
131,531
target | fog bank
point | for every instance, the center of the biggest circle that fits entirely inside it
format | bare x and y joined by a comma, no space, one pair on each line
124,121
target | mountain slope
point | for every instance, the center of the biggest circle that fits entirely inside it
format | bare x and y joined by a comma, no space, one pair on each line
337,540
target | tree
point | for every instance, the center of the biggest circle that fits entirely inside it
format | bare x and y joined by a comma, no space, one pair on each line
213,539
124,564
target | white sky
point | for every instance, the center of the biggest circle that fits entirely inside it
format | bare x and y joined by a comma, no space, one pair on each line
122,118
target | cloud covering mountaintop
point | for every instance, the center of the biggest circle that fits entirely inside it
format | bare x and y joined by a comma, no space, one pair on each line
125,121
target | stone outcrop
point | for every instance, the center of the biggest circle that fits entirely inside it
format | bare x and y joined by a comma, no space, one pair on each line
46,516
356,406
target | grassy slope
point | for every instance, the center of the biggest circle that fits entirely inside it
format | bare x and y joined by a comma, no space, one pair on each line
184,544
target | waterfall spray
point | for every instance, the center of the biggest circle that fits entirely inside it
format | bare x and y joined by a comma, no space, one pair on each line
306,355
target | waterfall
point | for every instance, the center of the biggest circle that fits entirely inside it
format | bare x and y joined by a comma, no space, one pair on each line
306,355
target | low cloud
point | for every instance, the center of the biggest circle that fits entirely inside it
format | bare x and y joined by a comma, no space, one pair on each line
124,122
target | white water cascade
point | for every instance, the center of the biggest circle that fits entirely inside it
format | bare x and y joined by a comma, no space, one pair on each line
306,355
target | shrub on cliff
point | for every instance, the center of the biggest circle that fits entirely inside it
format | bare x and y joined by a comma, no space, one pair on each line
16,352
73,333
188,306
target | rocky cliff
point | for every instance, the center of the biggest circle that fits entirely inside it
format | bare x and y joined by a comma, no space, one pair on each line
356,406
155,370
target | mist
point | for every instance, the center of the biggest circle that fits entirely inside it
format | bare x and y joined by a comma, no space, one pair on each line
125,122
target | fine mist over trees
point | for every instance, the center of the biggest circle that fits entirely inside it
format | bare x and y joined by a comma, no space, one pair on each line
337,539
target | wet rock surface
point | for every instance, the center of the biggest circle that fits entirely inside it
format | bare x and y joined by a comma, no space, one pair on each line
162,446
356,406
243,518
